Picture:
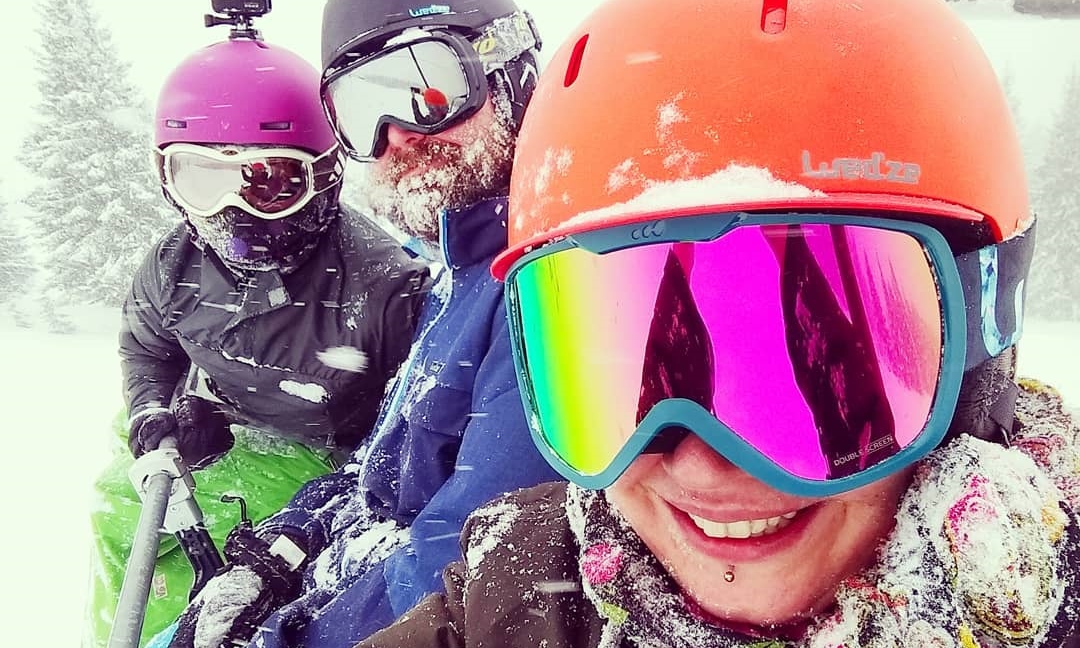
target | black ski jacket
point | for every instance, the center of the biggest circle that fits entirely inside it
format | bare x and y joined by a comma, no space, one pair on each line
306,356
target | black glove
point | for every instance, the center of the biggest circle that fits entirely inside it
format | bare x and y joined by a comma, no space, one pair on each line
148,430
203,434
253,583
201,431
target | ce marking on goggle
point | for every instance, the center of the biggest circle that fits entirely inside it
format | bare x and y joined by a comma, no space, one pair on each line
648,231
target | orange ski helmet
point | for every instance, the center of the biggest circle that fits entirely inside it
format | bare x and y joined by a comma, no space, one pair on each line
774,104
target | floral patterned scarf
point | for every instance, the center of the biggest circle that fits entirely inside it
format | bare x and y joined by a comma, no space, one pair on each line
984,555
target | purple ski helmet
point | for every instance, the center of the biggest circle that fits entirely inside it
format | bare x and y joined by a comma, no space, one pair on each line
243,91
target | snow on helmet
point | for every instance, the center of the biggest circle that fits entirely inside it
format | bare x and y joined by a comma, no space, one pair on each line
871,105
243,91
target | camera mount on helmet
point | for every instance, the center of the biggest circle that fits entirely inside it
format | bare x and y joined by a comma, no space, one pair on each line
239,14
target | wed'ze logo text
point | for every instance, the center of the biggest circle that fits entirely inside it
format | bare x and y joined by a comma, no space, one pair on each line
430,10
876,168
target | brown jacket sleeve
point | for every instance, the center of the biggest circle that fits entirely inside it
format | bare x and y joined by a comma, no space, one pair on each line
518,586
434,622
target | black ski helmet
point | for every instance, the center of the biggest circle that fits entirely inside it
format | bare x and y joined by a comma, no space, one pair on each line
355,25
358,27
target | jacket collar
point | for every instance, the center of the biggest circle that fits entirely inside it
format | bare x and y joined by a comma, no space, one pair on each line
246,296
473,234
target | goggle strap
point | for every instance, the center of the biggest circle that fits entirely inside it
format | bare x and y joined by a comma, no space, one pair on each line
506,39
993,278
328,169
159,164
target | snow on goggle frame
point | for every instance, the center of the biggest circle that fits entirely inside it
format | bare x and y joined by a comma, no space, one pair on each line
817,352
423,81
270,183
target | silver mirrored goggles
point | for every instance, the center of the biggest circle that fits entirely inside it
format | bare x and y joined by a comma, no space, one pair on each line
423,80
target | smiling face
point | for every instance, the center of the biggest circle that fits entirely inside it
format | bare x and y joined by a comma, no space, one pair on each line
702,517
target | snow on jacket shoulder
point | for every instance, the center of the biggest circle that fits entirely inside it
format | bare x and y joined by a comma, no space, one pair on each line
305,355
519,585
452,435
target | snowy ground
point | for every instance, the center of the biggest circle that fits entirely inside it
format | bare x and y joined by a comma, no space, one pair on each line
60,395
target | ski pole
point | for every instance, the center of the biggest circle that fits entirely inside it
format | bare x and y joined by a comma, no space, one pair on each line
157,476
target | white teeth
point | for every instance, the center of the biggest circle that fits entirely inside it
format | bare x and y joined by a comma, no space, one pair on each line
743,528
740,529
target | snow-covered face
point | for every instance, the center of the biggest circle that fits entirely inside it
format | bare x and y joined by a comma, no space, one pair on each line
247,243
418,176
682,502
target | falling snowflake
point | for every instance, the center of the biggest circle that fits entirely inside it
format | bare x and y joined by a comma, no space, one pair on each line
346,358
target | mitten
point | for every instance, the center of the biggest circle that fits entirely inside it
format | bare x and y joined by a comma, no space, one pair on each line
148,429
259,578
202,431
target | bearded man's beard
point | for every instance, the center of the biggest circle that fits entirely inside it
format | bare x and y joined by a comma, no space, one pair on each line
412,187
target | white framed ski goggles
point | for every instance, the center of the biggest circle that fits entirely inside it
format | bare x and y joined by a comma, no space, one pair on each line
424,81
816,352
270,183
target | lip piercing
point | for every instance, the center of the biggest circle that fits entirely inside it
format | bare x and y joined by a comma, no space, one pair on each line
729,575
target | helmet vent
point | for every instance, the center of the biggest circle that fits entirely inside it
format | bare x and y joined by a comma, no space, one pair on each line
574,66
175,123
275,126
773,16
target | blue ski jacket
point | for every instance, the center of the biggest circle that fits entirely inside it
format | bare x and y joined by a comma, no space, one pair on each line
451,435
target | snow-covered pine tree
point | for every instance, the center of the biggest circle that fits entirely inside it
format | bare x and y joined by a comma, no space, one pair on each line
16,263
98,209
1008,84
1055,282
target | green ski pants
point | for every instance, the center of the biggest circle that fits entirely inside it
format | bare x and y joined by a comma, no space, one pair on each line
266,471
